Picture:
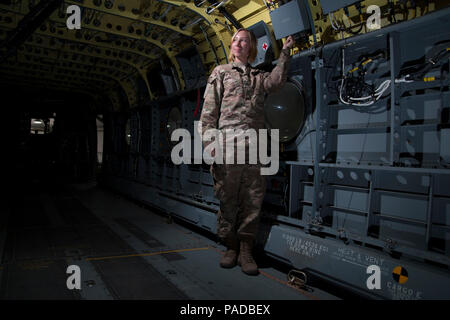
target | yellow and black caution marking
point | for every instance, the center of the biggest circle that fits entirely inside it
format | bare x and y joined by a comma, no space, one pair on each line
400,274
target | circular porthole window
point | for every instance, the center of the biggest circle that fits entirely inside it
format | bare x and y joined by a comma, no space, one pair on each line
285,110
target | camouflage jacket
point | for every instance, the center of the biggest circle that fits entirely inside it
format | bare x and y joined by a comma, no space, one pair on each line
234,95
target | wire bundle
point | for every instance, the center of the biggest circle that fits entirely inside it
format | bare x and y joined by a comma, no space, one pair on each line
351,92
355,91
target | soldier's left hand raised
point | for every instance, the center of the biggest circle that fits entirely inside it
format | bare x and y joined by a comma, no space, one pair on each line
289,43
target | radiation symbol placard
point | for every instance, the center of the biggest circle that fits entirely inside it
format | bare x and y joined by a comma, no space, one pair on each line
400,274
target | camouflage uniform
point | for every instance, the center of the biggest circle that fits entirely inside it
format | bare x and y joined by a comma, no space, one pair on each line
234,99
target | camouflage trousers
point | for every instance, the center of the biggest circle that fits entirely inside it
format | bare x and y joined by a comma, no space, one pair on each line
240,189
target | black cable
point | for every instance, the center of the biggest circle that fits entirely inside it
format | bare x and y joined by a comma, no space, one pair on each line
358,7
349,30
391,12
405,9
418,71
353,88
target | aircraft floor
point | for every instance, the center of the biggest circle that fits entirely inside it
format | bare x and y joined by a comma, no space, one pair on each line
124,251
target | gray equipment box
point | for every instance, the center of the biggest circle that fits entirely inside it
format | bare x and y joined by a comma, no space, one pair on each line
265,44
333,5
289,19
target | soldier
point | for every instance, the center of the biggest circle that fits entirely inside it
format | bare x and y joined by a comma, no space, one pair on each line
234,99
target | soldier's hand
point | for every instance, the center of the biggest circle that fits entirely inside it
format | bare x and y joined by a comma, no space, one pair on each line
289,43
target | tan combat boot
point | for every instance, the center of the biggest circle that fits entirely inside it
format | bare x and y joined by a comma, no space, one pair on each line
229,259
245,259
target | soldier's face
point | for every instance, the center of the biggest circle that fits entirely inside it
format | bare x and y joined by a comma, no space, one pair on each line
240,47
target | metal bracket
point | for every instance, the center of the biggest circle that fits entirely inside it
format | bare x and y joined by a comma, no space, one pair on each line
297,278
313,64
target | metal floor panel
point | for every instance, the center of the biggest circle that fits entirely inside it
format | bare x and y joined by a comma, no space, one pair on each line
33,280
124,252
133,278
150,241
27,244
198,274
28,214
